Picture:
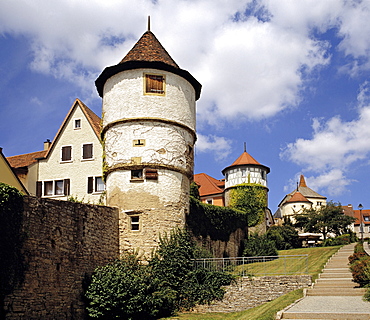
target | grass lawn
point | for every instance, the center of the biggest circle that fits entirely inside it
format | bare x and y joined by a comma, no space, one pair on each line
317,258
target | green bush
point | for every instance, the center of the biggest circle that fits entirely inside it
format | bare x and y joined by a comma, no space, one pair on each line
360,266
338,241
256,246
285,237
128,289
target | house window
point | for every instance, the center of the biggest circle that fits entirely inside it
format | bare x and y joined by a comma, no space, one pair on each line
209,201
135,223
319,203
87,151
139,143
154,84
137,174
95,184
67,153
366,218
77,124
53,188
243,172
48,188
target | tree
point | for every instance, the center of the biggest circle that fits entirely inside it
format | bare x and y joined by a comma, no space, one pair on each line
327,219
259,245
285,237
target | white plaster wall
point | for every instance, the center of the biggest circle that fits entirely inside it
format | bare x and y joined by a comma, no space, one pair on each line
235,177
77,170
124,98
164,144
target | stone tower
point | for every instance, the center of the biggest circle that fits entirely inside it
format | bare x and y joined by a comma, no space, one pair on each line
148,132
245,169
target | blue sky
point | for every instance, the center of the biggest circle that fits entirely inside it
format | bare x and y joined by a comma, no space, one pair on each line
289,78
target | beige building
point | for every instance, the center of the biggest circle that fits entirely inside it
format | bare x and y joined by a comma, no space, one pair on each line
70,165
298,200
8,176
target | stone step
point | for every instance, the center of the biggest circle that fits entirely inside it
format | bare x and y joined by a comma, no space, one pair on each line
335,284
326,315
337,270
336,292
336,275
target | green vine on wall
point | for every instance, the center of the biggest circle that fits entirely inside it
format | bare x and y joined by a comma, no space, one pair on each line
250,198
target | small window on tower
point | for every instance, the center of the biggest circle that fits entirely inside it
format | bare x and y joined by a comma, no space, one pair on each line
135,223
154,84
136,174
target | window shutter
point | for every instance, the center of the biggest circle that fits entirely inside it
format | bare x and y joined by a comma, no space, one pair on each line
87,151
66,187
151,174
66,153
38,189
90,184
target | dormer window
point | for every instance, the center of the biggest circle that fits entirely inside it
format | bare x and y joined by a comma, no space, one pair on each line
154,84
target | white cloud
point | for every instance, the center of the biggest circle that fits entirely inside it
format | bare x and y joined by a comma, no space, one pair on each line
219,146
335,146
251,66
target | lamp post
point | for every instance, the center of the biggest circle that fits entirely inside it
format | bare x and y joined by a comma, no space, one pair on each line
360,207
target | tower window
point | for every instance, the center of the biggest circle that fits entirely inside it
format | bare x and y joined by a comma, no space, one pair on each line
137,174
135,223
154,84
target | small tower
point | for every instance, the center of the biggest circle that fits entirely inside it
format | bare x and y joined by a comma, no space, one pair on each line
148,132
245,169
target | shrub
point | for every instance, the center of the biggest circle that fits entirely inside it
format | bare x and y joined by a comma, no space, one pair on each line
285,237
257,245
360,266
127,289
338,241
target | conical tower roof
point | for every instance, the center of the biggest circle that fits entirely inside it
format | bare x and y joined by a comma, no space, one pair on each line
306,191
149,53
148,48
245,159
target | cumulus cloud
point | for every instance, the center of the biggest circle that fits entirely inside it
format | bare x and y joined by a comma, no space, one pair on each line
253,57
211,144
335,145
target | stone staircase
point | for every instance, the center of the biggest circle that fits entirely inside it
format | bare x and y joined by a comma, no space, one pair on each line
334,295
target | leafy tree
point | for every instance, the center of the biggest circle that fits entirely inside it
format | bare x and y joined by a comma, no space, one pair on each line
259,245
327,219
285,237
251,199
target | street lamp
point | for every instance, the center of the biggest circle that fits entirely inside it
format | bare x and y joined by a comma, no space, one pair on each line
360,207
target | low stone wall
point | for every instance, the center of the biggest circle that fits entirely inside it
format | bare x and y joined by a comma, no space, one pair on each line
251,292
61,244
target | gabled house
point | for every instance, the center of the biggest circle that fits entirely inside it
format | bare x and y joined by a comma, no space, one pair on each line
8,176
298,200
70,165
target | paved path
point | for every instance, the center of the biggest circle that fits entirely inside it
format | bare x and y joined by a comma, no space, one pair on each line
334,295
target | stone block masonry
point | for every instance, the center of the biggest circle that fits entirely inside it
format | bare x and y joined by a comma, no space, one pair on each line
63,242
251,292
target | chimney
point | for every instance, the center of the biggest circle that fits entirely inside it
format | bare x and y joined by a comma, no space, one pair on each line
47,144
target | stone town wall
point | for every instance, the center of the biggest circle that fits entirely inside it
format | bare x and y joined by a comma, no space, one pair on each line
251,292
63,243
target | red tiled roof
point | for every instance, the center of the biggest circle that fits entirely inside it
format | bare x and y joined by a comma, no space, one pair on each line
208,185
365,213
298,197
25,160
148,48
246,159
94,120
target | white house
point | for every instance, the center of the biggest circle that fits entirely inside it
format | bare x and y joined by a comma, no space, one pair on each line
70,165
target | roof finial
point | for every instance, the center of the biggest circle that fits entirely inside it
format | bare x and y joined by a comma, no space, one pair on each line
148,23
245,147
